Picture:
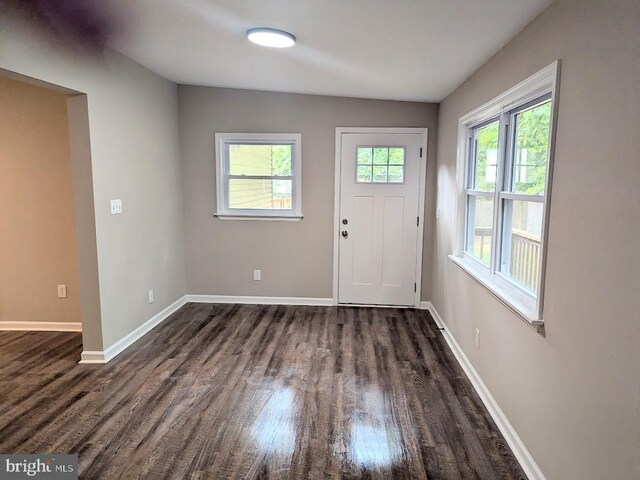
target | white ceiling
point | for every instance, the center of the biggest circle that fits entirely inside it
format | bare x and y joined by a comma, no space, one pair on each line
389,49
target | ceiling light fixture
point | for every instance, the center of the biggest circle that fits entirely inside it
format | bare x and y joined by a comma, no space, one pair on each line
270,37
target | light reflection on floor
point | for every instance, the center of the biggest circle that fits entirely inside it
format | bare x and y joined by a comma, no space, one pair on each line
370,446
374,437
274,429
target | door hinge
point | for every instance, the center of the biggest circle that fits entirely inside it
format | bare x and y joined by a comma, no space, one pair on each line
420,152
415,287
418,221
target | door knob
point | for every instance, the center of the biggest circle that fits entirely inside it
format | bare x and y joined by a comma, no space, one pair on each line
345,234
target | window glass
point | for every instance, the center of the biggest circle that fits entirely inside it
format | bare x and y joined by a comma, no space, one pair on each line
365,156
380,156
365,174
521,243
260,194
485,157
531,149
379,174
380,165
480,227
260,160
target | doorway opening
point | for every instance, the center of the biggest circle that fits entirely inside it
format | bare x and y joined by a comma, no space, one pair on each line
48,256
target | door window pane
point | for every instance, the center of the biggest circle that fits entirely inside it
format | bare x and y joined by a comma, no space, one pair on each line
531,149
381,156
365,156
396,156
485,160
521,243
379,174
396,174
364,174
380,165
260,194
479,227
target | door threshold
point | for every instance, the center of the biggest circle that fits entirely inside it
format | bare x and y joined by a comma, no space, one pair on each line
373,305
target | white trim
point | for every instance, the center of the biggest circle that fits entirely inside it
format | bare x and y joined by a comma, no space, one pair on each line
529,89
268,218
336,199
545,81
93,356
259,300
519,303
421,200
528,464
364,305
41,326
223,211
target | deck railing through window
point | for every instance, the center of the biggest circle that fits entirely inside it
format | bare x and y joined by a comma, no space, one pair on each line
524,262
525,259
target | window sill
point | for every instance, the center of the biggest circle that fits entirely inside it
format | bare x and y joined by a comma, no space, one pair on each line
276,218
525,310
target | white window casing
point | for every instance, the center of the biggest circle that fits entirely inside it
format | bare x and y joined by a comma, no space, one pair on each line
224,177
540,88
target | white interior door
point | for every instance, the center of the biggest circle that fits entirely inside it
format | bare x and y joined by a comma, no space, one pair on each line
379,209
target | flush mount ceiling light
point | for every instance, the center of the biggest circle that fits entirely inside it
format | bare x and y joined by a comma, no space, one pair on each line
270,37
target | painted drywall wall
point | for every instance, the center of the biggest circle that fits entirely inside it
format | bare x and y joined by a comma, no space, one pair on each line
37,225
135,157
296,258
86,243
573,396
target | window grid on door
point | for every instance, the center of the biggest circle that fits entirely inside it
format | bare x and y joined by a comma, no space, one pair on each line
380,164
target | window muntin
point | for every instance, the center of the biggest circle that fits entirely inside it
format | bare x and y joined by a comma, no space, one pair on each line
258,175
380,164
506,184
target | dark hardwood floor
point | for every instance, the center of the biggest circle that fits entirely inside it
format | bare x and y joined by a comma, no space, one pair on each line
248,391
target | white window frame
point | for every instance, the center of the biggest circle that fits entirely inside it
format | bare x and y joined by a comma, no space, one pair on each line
527,306
222,141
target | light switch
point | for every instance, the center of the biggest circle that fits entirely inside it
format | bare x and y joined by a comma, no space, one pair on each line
116,206
62,291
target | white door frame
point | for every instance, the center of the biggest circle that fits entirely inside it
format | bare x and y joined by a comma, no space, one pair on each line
336,201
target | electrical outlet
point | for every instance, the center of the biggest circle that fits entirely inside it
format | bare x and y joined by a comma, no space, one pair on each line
116,207
477,338
62,291
150,296
257,274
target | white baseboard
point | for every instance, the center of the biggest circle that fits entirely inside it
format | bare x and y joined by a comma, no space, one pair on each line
320,302
41,326
518,448
93,356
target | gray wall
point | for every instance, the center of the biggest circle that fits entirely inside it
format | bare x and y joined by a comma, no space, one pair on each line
572,396
296,258
133,126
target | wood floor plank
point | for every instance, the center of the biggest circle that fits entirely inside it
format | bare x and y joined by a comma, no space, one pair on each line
255,391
